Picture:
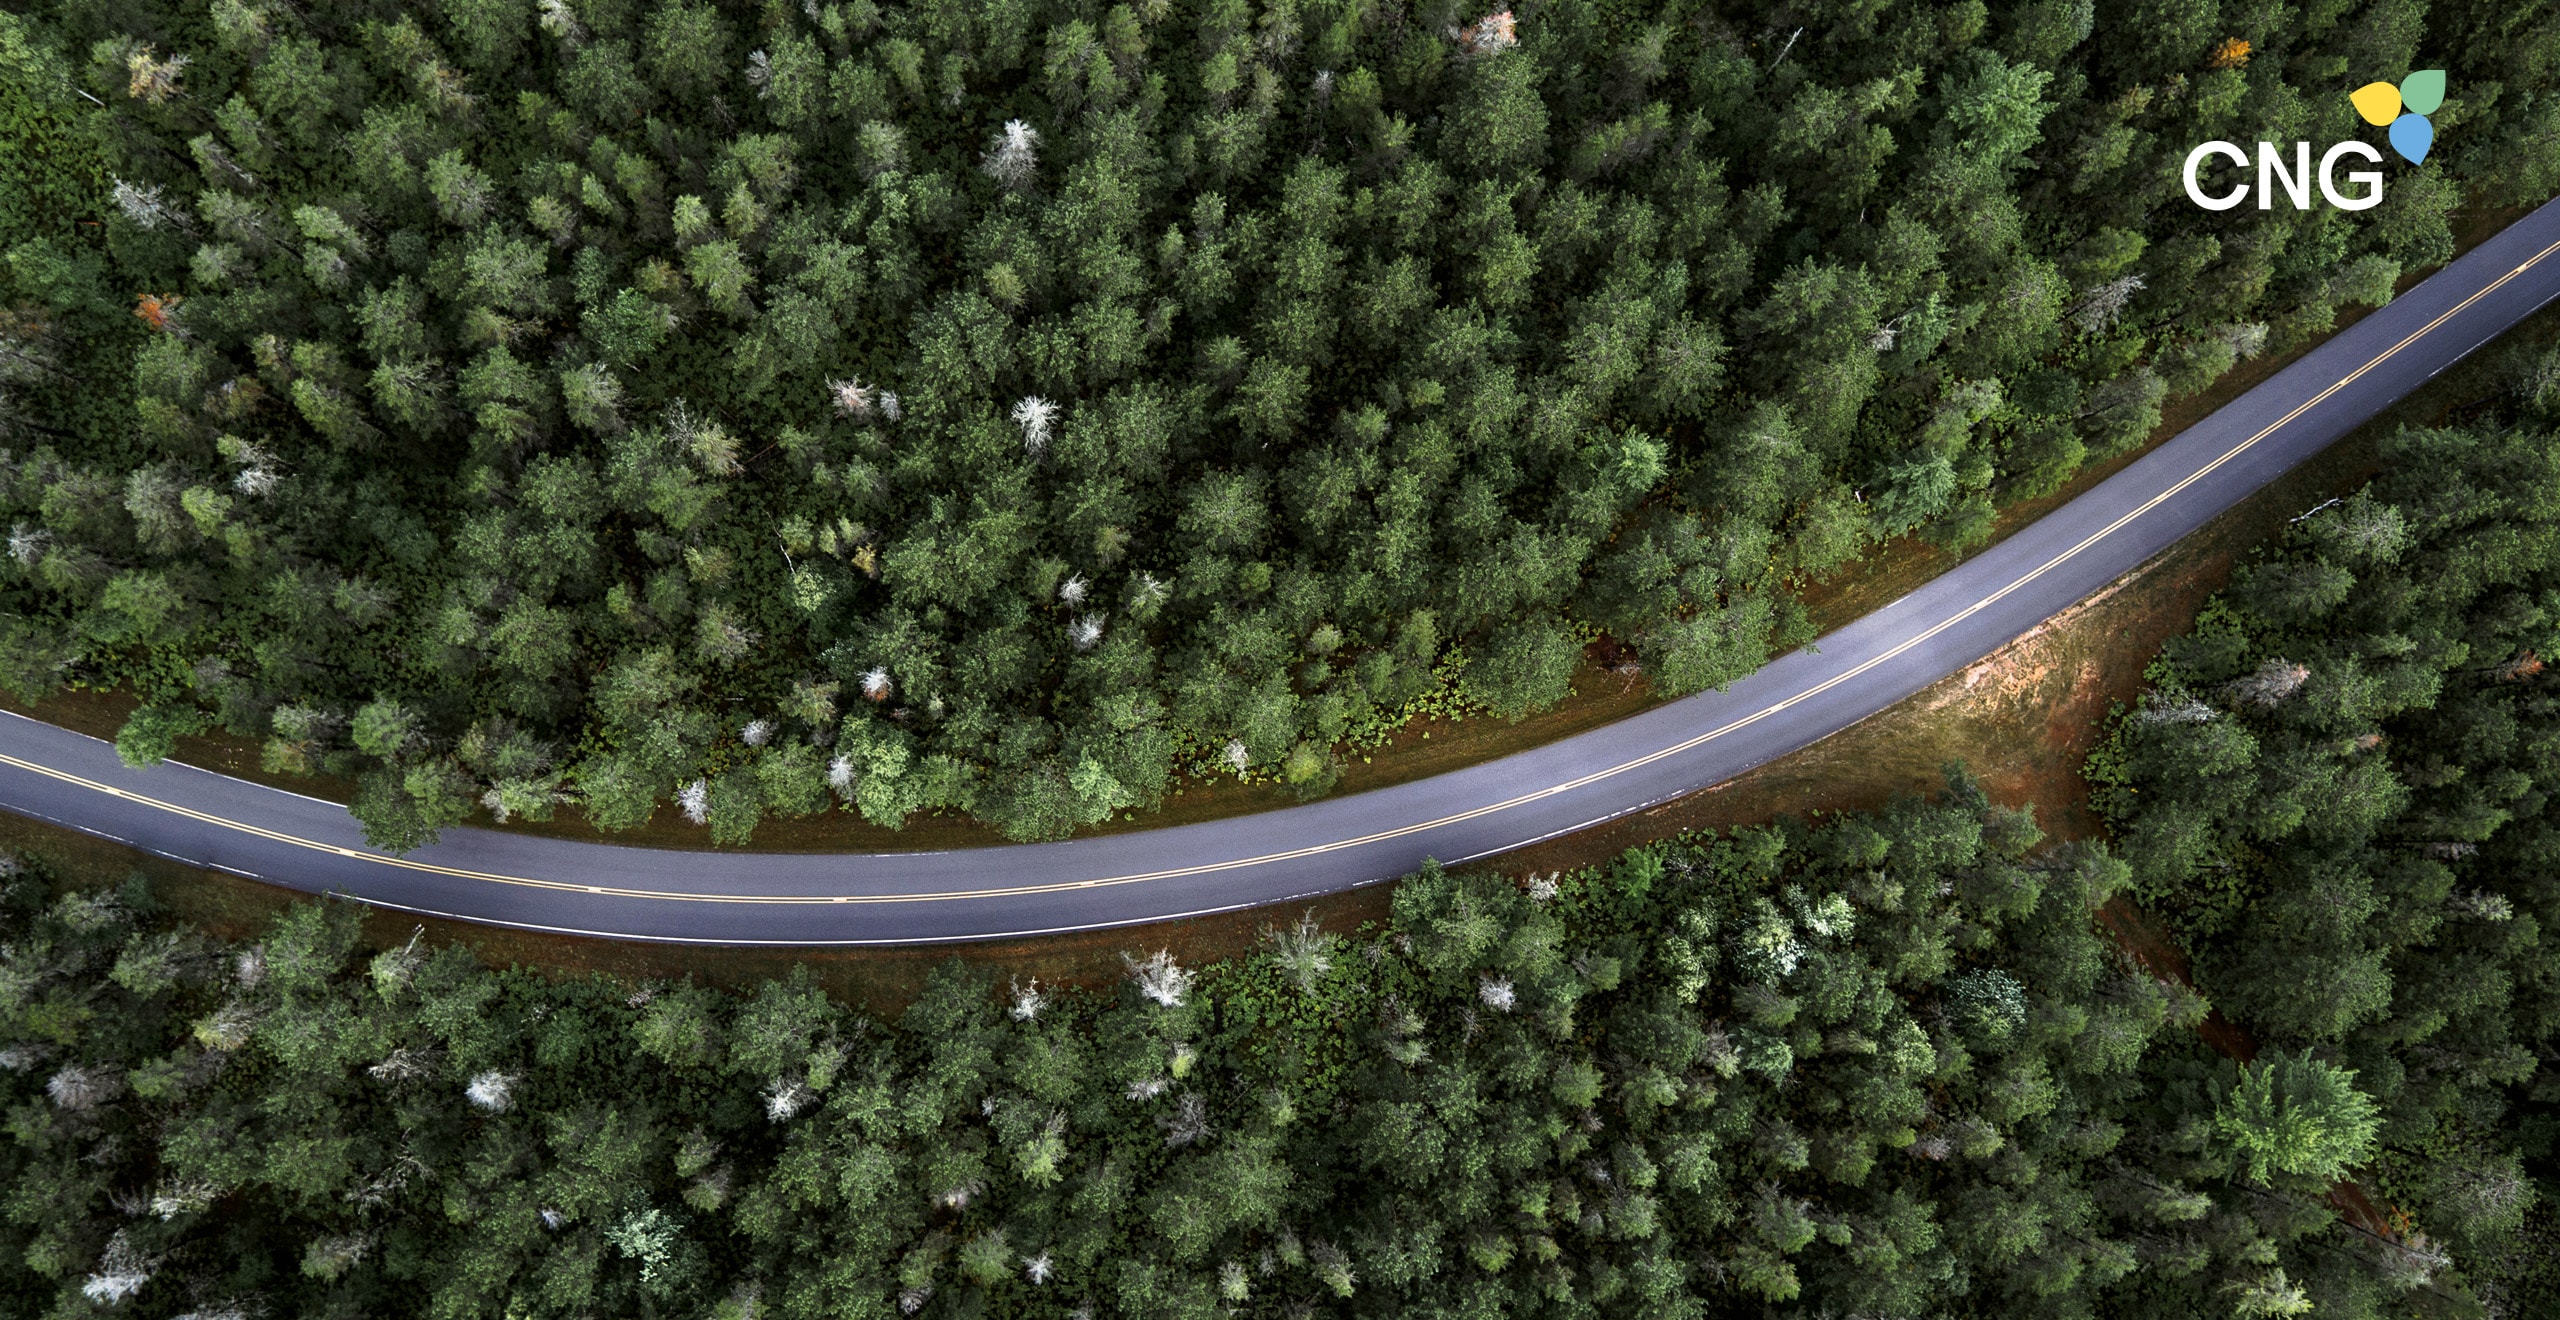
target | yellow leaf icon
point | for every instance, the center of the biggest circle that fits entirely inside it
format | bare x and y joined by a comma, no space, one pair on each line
2378,102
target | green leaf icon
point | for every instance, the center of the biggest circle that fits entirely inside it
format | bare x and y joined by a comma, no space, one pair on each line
2423,91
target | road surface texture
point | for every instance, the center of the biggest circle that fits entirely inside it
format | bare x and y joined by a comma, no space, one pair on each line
741,898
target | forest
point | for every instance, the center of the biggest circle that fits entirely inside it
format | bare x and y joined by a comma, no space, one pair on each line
1006,408
1012,406
1878,1065
1882,1063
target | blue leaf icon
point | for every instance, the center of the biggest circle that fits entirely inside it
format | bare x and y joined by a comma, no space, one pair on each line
2411,135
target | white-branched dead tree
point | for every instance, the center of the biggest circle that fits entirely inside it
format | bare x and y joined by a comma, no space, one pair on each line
1490,35
145,207
2266,687
491,1091
1013,160
2101,307
1159,977
1035,415
852,398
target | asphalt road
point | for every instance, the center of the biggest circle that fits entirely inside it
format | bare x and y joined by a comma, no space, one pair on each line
738,898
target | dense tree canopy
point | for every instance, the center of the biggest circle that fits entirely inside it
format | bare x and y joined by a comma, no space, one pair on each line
1883,1065
1003,406
2342,791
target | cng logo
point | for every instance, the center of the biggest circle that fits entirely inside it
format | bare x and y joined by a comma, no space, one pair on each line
2402,109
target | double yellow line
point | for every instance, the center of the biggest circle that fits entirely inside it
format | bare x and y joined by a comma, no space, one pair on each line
1339,845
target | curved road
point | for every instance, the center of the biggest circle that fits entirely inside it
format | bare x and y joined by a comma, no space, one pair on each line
211,820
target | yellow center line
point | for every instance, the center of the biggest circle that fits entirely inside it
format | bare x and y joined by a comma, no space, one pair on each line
1381,836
